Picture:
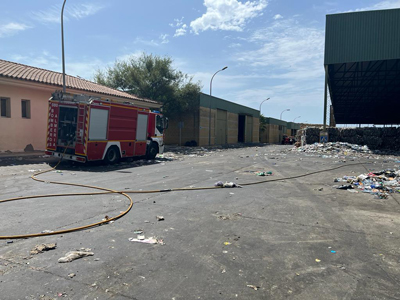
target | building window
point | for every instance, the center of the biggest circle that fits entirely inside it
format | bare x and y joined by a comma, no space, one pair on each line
26,108
5,107
280,127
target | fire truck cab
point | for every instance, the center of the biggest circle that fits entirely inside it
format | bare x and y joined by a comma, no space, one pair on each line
84,128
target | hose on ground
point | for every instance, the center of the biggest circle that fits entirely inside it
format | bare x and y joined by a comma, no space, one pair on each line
125,193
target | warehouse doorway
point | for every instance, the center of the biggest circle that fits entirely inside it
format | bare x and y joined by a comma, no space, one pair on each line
241,128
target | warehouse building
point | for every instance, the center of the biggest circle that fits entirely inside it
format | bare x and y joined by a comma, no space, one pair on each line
215,121
274,130
362,67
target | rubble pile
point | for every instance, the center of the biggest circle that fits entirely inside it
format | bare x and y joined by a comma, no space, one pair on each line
374,137
380,184
334,149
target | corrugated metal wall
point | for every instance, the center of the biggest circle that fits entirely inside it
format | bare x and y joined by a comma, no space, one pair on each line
362,36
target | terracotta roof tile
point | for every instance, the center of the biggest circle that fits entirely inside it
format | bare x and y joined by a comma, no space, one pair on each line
23,72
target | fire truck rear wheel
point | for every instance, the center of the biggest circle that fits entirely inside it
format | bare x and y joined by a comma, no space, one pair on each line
112,155
152,151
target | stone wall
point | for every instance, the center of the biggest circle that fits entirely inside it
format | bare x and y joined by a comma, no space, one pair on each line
376,138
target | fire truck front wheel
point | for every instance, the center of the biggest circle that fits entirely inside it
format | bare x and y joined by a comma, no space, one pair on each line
152,151
112,155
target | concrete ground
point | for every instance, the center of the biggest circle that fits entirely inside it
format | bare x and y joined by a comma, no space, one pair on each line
290,239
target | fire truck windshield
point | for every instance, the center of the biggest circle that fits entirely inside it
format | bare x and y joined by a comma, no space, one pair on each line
161,123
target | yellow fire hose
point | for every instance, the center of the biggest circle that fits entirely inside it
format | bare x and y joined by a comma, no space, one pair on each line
124,193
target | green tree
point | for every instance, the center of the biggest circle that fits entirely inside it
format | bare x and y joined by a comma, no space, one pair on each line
153,77
263,123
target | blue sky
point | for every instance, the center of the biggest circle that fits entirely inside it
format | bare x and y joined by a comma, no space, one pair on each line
273,48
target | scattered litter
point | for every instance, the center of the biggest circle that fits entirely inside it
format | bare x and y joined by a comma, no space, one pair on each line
47,231
226,184
345,187
10,242
317,260
269,173
380,183
150,240
224,251
230,185
333,149
141,237
333,251
71,275
146,221
227,243
254,287
223,271
138,231
72,255
42,247
160,218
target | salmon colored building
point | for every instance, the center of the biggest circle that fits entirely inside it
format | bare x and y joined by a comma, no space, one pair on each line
24,95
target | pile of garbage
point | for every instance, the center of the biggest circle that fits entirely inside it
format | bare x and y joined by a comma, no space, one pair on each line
334,149
380,184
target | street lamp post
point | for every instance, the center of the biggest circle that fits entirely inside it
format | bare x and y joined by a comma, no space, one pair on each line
283,112
296,118
262,103
209,115
62,45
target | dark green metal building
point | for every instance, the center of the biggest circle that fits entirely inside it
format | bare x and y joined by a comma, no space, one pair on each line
362,67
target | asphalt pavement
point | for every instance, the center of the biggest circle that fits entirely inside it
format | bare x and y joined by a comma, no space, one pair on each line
289,238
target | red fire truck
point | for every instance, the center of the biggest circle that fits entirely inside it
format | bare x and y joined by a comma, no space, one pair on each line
84,128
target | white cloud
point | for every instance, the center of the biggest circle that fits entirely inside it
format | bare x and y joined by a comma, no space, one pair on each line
227,15
12,28
164,39
83,10
288,57
389,4
78,11
235,45
50,15
277,17
181,31
178,23
84,68
126,57
289,48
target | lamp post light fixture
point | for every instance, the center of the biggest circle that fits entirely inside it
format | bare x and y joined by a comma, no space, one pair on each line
283,112
296,118
209,115
62,45
262,103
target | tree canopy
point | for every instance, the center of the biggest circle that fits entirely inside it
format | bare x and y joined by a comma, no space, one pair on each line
153,77
263,123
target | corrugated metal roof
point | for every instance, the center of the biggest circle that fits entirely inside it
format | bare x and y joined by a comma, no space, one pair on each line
362,36
24,72
206,100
